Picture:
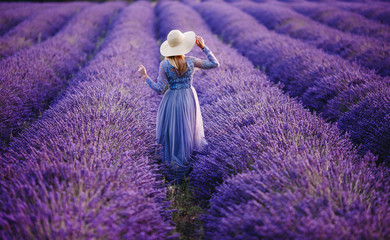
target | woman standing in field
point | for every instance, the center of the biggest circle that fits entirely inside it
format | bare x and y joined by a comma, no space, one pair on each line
179,127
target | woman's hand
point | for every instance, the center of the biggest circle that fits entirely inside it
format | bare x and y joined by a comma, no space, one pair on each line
142,71
199,41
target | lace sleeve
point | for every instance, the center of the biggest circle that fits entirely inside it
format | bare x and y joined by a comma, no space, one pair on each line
212,61
162,80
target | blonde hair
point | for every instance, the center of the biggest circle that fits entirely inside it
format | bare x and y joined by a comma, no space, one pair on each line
178,62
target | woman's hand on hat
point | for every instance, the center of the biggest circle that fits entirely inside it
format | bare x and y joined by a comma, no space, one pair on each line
142,71
199,41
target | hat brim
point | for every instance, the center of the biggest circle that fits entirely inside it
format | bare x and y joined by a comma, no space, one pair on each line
181,49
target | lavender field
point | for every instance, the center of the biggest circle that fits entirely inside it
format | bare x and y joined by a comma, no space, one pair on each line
297,117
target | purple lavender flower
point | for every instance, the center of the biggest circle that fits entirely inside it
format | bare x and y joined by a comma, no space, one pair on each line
4,6
305,72
294,196
344,20
366,50
345,101
12,16
378,11
299,167
38,28
33,77
349,79
85,168
368,123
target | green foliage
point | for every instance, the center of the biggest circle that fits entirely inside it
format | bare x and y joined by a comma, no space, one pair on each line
187,211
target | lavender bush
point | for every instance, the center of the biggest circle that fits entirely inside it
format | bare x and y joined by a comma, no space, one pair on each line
293,201
367,51
344,20
378,11
84,166
4,6
297,65
208,85
306,73
345,101
261,139
233,1
38,28
246,126
368,123
235,74
87,169
285,21
11,17
33,77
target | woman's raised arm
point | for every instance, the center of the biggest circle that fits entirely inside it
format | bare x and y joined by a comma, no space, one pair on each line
212,61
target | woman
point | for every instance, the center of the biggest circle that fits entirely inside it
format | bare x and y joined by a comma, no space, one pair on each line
179,127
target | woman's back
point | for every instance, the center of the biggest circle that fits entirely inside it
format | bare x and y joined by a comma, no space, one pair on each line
177,80
179,124
184,80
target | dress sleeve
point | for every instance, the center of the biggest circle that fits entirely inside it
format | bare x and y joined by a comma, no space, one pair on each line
162,80
212,61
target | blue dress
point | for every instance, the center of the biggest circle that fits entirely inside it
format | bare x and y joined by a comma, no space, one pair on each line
179,127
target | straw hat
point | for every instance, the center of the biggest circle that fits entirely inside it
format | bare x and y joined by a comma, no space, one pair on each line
178,43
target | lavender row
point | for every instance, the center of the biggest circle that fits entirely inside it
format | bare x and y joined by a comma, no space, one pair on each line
11,17
235,74
305,72
333,82
33,77
373,134
367,51
253,121
374,10
294,154
291,201
9,5
4,6
343,20
297,65
38,28
89,153
207,84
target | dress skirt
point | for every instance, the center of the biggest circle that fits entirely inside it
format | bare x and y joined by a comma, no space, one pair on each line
179,128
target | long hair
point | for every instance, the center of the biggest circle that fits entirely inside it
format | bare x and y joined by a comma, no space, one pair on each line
178,62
